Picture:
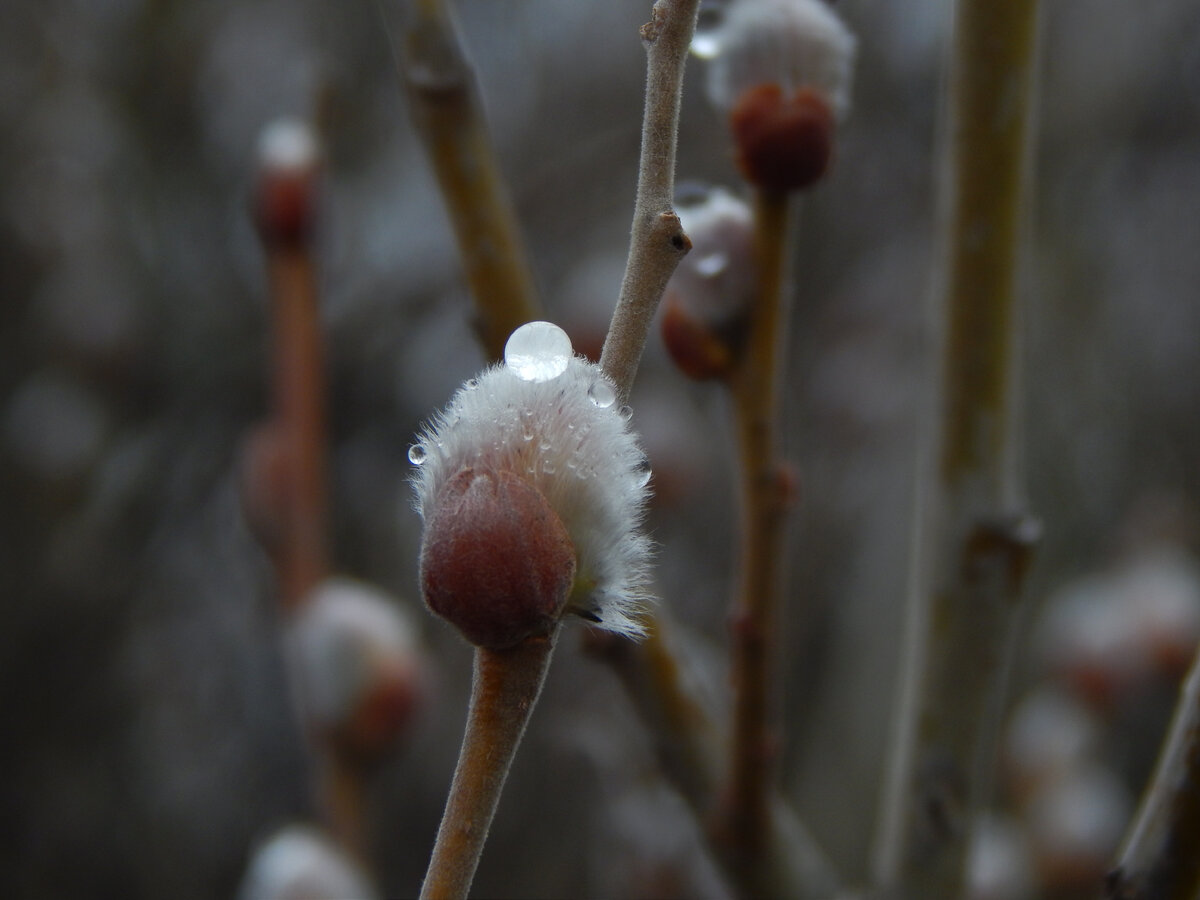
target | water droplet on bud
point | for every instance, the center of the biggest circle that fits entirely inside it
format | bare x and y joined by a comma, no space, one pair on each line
417,454
602,394
642,471
625,412
538,351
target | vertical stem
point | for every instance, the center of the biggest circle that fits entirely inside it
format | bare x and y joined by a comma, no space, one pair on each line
505,689
448,115
755,386
657,242
300,412
974,541
1160,858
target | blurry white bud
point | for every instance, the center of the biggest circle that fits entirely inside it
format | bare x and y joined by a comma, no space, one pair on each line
1162,588
302,863
289,158
1075,824
358,664
1048,733
718,277
532,488
288,145
55,426
999,864
709,295
1087,636
794,44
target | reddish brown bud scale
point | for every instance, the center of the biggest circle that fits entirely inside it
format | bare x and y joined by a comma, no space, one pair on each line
382,717
496,560
699,351
285,208
783,143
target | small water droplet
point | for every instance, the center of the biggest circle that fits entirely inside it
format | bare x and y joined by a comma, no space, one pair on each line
706,42
602,394
712,265
625,412
527,435
538,351
548,467
642,471
545,445
417,454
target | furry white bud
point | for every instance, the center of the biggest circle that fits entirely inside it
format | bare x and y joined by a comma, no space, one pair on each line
549,418
795,44
358,663
300,861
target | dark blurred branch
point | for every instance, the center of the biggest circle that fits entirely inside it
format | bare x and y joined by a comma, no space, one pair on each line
1160,859
448,116
974,540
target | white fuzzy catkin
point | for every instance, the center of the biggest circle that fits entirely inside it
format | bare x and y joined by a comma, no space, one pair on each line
566,435
793,43
341,638
717,280
301,861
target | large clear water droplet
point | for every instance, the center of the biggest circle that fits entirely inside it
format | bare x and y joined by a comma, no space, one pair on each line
602,394
417,454
706,42
538,351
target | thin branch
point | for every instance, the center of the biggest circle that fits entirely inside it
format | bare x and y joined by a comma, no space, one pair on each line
755,387
448,116
1160,858
974,540
505,690
657,242
301,559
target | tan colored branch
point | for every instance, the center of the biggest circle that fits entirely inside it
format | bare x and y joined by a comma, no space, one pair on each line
657,242
755,388
505,690
974,540
446,110
301,560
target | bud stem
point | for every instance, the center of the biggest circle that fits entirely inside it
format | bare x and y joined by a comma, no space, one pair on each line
658,242
446,110
505,689
746,825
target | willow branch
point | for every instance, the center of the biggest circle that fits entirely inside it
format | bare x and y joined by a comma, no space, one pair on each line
506,686
301,561
1160,857
448,116
975,541
657,242
755,387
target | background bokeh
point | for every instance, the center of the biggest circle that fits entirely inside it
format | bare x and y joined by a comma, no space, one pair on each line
149,741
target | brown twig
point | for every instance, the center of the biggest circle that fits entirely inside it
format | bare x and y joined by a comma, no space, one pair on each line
448,116
974,542
657,242
301,560
1160,858
755,387
505,689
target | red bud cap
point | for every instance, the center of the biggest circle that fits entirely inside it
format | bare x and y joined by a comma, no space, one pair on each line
783,143
286,195
496,560
700,351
